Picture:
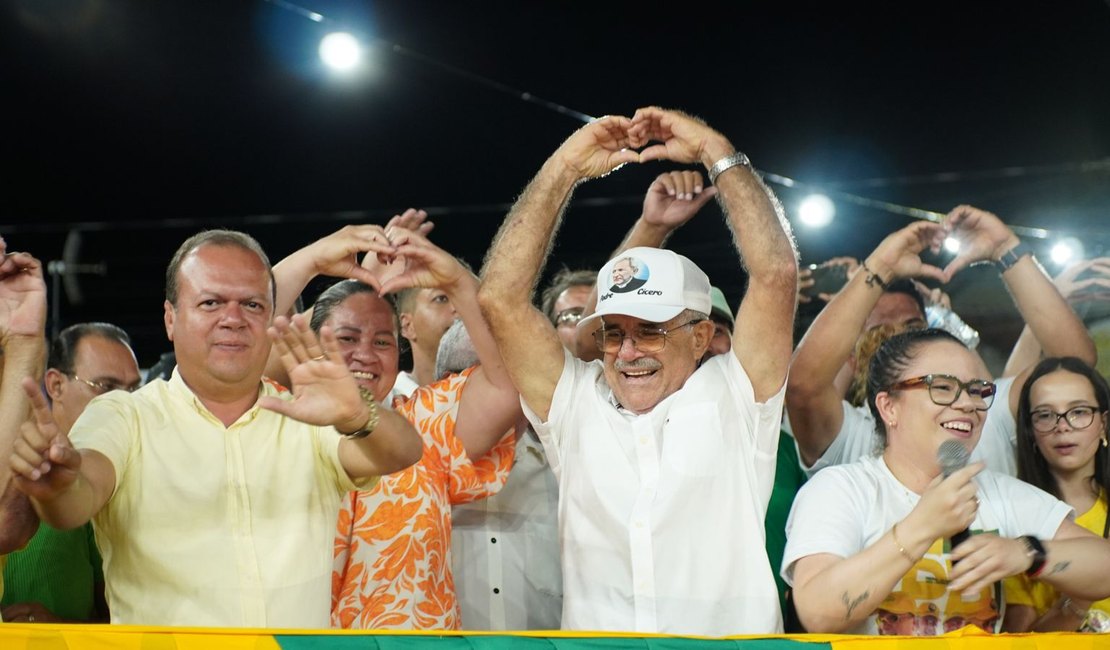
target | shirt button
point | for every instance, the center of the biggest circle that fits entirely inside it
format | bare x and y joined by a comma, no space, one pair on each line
496,590
493,540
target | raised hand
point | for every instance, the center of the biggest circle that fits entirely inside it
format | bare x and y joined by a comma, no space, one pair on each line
674,197
1096,286
385,267
337,254
324,392
22,295
683,138
981,234
44,463
899,255
598,148
806,280
425,264
411,219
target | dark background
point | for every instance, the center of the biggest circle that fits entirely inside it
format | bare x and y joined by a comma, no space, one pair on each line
138,123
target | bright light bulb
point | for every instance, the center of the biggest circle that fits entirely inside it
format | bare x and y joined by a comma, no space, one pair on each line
340,51
952,245
1066,251
817,211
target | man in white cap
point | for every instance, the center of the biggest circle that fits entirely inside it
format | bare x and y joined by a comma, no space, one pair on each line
664,462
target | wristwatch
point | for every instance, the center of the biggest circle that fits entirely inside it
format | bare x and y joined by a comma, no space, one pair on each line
1035,551
1011,257
728,162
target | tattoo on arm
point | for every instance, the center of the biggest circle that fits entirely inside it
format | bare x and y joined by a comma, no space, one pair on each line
852,604
1059,567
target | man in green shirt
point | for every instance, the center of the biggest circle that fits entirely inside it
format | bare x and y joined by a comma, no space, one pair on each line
58,577
22,317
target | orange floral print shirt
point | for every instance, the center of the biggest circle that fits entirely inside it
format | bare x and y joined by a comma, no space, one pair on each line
393,543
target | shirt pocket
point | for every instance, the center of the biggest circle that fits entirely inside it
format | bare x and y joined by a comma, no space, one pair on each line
693,443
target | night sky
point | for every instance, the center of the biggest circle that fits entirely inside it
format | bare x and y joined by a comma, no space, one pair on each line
139,123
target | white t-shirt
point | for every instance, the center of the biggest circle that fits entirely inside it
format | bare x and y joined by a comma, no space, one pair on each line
857,438
661,514
845,509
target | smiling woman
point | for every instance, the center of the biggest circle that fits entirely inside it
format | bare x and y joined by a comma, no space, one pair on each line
868,548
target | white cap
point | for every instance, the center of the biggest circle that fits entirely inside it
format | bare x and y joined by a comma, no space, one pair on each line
653,284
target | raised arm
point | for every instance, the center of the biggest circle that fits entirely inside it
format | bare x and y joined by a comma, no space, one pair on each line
325,394
528,342
66,486
1095,287
672,199
490,404
1051,319
335,255
22,354
762,339
813,401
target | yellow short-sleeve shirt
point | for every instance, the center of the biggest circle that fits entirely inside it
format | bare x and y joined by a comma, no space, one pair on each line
214,526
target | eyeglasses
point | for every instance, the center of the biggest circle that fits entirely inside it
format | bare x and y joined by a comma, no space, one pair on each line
1078,417
645,339
102,387
944,390
569,316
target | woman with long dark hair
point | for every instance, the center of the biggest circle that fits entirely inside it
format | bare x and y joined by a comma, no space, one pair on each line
1062,449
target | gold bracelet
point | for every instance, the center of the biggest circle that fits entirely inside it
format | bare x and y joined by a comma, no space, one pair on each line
371,422
901,549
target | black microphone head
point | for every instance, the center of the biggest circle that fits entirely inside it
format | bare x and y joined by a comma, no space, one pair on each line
952,456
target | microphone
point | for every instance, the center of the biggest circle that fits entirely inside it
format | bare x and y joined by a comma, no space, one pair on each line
952,456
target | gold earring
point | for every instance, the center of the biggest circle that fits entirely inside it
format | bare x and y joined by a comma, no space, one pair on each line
1104,443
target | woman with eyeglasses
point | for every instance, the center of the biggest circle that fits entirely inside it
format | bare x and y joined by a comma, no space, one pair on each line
1062,438
869,544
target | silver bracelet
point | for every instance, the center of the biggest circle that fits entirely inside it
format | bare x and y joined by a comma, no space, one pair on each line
726,163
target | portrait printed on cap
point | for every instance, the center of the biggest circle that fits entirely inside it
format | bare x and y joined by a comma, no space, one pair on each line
629,274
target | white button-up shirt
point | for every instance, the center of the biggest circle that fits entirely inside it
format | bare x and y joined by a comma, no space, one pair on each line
505,549
661,514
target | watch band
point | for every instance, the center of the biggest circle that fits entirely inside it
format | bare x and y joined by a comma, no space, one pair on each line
1011,257
1035,551
728,162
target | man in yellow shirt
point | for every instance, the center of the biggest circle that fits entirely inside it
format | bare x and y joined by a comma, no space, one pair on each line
22,354
213,495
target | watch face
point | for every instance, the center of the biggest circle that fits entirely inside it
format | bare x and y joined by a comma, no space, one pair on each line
1096,621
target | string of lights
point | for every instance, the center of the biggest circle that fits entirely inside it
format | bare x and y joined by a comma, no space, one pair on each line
819,206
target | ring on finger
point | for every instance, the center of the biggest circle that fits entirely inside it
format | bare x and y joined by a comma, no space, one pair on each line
319,358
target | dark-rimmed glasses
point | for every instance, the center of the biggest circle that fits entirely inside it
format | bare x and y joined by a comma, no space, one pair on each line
1077,417
944,390
645,339
101,387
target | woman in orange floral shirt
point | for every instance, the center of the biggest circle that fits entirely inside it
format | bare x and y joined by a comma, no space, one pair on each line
392,548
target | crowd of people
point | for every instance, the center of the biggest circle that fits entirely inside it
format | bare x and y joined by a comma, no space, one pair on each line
624,452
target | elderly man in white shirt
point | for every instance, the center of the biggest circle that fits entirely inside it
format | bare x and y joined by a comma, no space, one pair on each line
664,463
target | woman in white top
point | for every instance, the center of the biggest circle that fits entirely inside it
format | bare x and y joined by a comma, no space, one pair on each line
868,547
